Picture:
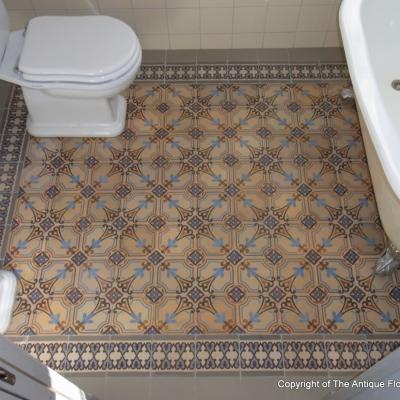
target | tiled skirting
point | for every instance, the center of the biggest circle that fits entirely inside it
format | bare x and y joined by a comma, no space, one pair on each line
12,140
241,72
317,354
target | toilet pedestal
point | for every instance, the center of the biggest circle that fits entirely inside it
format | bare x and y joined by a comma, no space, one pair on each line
54,116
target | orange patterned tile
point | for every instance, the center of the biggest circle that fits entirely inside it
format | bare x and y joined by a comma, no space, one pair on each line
235,208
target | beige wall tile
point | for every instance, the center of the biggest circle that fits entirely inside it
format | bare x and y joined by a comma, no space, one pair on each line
182,23
92,4
216,3
53,12
154,42
334,22
148,3
333,39
183,20
149,21
314,18
182,3
282,19
49,4
18,4
185,41
247,40
115,4
278,40
220,41
309,39
284,2
125,15
19,18
216,20
319,2
250,3
249,19
84,12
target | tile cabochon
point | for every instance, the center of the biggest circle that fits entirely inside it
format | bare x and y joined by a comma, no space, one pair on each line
227,208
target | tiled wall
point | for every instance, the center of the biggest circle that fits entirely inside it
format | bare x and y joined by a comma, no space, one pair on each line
206,24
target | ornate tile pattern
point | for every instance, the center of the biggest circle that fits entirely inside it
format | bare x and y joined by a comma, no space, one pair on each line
222,208
242,72
11,148
228,355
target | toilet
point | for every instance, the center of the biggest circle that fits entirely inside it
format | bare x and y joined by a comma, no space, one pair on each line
71,71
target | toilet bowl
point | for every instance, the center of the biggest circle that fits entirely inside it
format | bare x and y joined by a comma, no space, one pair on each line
72,71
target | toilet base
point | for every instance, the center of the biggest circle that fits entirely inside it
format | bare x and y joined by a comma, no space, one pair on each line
51,115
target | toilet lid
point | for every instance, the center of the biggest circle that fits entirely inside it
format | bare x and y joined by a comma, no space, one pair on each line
84,48
87,79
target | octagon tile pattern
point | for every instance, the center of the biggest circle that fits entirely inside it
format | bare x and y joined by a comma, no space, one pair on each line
221,209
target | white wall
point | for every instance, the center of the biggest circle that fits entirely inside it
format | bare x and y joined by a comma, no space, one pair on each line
205,24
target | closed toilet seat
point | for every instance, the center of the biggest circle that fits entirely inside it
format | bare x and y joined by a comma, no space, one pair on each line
84,49
72,71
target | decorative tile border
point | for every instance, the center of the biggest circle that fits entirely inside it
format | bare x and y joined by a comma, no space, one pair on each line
12,141
251,72
231,355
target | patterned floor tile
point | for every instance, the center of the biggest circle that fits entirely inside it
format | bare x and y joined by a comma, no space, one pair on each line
221,209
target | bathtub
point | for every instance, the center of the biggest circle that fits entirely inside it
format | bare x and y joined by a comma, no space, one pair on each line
370,32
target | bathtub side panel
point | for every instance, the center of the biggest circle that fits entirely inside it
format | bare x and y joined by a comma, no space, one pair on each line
387,201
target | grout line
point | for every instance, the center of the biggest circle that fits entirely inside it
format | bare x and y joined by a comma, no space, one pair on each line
200,34
327,29
165,66
168,27
232,30
196,61
227,33
297,26
267,6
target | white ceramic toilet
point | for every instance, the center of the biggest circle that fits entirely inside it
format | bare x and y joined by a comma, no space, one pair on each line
72,71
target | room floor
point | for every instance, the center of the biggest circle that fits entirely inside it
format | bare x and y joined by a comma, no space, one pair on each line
232,208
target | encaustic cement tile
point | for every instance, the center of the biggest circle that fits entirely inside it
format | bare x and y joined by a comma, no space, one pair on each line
228,355
221,209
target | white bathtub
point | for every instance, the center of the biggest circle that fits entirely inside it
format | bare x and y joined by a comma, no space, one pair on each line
371,32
